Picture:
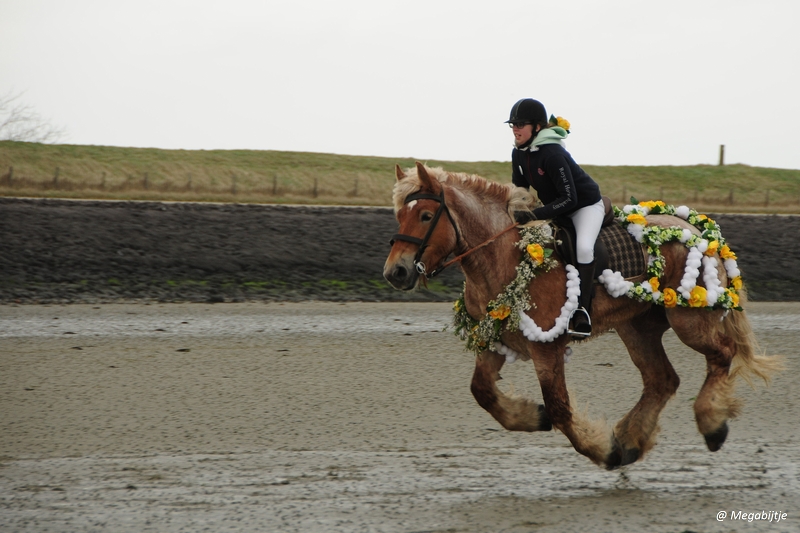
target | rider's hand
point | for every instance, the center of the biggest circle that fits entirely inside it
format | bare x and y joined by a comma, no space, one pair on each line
523,217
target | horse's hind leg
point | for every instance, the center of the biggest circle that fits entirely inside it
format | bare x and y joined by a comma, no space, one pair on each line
704,332
514,413
634,434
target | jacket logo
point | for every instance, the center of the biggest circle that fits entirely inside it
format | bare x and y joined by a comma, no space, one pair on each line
541,172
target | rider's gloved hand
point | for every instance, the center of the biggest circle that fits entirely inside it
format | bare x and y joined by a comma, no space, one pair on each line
523,217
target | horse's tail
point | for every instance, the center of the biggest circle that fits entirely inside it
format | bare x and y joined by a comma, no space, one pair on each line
749,360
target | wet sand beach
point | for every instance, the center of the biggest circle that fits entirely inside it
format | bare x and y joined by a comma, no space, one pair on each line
324,416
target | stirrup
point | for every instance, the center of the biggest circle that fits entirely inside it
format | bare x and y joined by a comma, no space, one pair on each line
588,322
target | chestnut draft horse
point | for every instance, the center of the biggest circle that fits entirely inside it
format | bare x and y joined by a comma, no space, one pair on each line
475,210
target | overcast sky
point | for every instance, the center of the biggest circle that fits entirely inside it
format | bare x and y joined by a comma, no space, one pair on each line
642,82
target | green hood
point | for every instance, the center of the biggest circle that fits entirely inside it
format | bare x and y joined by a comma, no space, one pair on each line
553,135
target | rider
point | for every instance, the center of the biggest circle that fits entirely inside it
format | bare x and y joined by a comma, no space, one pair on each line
539,160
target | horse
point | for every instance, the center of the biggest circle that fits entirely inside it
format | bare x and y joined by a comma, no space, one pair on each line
442,213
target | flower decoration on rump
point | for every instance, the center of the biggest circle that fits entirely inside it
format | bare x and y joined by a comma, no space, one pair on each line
733,296
636,218
706,245
712,248
670,297
726,253
697,297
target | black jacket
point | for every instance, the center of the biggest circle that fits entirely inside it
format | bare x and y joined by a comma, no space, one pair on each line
561,185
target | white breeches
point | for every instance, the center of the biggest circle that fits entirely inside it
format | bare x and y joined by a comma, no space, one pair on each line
587,221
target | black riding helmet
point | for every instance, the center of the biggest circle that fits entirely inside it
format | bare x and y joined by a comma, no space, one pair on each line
528,110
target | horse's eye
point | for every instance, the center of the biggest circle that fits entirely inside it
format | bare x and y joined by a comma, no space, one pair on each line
426,216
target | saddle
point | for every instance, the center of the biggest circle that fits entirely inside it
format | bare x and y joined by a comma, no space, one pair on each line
615,248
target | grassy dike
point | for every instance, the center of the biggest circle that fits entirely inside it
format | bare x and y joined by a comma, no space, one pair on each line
265,176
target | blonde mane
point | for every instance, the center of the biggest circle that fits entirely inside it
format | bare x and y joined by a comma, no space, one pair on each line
515,198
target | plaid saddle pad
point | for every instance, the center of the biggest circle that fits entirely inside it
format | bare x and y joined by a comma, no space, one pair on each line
625,254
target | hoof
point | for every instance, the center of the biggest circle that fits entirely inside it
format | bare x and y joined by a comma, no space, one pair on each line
621,456
714,440
544,421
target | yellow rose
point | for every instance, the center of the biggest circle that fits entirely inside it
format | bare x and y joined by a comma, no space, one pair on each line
636,218
726,253
670,297
654,283
563,123
701,217
500,313
536,252
734,297
660,203
697,298
737,283
712,248
649,204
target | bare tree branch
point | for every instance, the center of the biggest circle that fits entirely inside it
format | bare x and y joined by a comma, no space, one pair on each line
20,122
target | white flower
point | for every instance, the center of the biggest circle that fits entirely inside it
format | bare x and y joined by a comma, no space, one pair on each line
636,231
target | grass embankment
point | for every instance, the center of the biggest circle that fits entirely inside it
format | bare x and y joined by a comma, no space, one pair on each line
247,176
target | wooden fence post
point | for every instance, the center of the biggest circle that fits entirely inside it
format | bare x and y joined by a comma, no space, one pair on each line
721,154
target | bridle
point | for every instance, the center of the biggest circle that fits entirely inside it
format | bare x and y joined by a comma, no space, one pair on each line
423,242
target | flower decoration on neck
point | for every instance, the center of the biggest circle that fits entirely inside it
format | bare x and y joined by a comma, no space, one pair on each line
561,122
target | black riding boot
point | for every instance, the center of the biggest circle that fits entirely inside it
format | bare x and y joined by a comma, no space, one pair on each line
581,321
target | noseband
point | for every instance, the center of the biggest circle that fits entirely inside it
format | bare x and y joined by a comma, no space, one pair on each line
423,243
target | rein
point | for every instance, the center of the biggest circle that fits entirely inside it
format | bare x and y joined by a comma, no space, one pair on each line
423,243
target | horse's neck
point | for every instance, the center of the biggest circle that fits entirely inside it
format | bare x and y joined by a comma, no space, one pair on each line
489,269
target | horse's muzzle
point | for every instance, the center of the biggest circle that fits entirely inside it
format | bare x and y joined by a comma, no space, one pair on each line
401,274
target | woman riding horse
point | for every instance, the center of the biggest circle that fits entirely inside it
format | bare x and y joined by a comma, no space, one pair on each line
539,160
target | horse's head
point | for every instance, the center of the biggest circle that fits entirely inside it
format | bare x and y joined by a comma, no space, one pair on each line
427,234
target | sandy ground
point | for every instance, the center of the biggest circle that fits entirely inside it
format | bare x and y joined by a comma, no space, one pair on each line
318,417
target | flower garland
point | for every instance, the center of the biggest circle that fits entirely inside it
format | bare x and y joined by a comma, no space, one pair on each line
702,249
511,304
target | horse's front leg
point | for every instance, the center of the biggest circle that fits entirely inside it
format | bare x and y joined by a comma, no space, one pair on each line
593,439
514,413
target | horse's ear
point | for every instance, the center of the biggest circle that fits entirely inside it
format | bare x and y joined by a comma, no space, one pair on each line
427,181
399,173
